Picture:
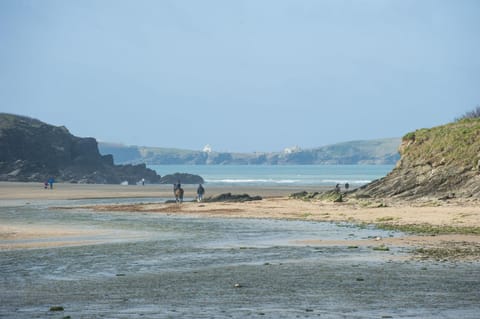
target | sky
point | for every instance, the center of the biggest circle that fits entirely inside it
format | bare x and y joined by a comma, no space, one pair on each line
240,75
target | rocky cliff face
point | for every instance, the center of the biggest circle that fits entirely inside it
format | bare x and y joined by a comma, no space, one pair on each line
441,162
31,150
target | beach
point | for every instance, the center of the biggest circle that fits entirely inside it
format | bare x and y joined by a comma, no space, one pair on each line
457,214
36,191
112,251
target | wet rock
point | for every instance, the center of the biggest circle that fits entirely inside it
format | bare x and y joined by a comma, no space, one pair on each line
229,197
57,308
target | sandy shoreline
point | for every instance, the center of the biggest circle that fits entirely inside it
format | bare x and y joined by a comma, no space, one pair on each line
36,191
275,205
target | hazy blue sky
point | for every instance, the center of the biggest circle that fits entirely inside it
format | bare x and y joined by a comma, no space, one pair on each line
240,75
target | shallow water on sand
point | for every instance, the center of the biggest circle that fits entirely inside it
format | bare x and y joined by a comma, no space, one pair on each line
135,265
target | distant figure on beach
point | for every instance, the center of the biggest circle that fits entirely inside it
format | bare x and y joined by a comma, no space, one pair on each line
50,182
178,192
200,192
45,184
176,186
143,181
337,188
347,186
179,195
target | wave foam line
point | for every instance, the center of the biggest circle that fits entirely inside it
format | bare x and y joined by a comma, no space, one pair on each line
234,181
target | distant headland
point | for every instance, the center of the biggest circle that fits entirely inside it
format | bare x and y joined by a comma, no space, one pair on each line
378,151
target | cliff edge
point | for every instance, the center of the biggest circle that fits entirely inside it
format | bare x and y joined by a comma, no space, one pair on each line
441,162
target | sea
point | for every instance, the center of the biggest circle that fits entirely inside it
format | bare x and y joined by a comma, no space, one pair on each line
272,175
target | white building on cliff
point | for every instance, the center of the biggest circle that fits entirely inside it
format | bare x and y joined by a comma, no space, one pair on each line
207,148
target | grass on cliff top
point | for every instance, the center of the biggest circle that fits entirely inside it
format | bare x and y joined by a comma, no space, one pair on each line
457,142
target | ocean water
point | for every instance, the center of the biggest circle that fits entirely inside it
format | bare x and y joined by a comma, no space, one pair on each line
270,175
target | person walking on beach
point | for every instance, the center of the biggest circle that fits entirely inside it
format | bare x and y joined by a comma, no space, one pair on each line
178,192
176,186
50,182
200,192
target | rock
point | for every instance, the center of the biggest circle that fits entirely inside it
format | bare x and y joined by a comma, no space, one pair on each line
436,163
299,195
229,197
33,151
330,195
184,178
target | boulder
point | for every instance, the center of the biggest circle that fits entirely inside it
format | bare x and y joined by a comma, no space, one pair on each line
184,178
229,197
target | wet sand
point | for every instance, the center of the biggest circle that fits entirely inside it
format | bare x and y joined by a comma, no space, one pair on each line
275,205
36,191
259,259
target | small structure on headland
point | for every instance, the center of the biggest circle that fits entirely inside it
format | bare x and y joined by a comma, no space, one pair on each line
291,150
207,148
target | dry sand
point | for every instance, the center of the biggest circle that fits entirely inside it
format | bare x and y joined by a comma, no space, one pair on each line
275,205
36,191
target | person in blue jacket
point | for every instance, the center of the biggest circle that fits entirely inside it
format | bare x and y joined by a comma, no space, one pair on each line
50,182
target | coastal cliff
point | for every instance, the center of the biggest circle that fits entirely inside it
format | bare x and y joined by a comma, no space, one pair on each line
33,151
441,162
379,151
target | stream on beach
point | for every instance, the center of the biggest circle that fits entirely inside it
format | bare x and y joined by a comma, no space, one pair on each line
148,265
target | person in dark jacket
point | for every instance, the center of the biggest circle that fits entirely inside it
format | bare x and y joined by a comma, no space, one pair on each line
200,192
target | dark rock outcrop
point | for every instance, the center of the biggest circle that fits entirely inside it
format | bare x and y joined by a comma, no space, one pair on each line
329,195
184,178
33,151
229,197
442,162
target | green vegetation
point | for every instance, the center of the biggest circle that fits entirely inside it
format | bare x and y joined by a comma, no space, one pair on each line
449,252
431,229
370,204
381,248
384,219
475,113
457,142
